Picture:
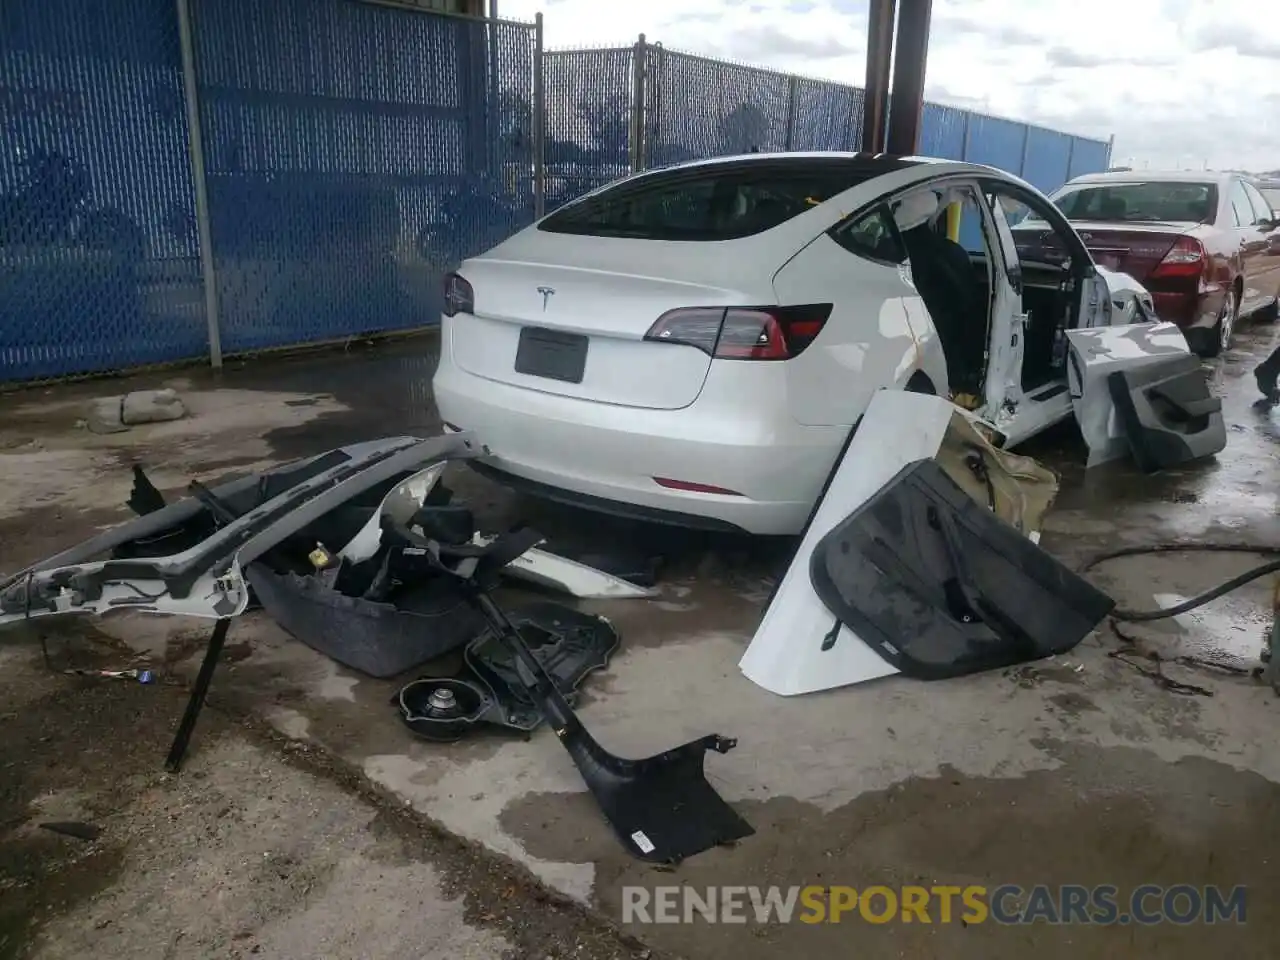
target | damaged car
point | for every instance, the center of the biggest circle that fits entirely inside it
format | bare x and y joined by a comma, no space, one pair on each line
692,345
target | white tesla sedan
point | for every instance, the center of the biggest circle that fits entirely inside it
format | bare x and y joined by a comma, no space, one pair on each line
693,344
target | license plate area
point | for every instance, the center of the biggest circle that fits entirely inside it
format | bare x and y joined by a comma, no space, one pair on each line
1110,259
552,354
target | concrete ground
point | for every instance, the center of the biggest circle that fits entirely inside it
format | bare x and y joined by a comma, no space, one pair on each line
1085,770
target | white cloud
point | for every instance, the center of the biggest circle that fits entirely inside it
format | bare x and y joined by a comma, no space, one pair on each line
1179,82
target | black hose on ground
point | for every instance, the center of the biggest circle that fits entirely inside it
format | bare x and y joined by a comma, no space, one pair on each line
1138,616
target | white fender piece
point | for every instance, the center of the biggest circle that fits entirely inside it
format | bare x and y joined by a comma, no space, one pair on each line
576,579
786,655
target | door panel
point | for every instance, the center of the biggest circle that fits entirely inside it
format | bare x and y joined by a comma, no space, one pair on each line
1096,353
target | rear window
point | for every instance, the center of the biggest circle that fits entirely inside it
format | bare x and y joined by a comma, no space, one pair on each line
1273,196
713,203
1155,200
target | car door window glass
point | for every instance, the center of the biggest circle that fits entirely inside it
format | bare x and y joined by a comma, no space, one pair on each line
1262,212
1038,239
1240,207
872,236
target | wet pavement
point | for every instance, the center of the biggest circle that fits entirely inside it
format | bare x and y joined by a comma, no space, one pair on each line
1083,770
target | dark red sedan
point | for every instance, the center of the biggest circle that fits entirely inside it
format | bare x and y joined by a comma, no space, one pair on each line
1207,245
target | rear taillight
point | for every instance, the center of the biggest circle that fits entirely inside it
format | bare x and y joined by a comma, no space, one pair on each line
1186,258
743,333
458,296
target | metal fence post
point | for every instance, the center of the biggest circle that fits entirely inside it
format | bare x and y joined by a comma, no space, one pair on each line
539,123
637,107
1071,155
1026,143
964,145
654,121
793,91
195,143
1111,145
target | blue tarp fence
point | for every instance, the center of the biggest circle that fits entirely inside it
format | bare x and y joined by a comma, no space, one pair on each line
309,169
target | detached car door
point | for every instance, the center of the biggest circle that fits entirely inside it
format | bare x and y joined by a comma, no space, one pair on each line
1138,389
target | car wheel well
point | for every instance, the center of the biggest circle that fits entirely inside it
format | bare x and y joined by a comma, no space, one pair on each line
920,383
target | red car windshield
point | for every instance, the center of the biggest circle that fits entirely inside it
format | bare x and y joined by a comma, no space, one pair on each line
1138,202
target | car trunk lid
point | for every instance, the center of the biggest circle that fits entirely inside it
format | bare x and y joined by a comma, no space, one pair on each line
1132,248
579,331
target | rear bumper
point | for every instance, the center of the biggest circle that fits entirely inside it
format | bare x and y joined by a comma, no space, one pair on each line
1189,310
606,457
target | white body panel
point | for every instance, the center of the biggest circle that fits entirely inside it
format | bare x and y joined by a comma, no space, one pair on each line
869,342
764,433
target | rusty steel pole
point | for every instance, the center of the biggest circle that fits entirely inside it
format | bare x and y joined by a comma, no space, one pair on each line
879,57
910,54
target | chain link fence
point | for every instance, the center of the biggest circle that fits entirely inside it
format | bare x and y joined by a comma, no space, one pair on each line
184,177
339,194
696,107
590,120
348,154
99,263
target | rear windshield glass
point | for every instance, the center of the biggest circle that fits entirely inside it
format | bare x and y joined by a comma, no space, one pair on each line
713,203
1156,200
1273,196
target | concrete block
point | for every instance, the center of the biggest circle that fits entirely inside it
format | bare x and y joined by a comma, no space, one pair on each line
151,406
106,415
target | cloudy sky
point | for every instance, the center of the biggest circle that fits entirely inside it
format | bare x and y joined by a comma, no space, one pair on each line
1179,82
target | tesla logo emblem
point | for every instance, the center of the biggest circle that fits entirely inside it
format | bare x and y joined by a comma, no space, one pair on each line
546,296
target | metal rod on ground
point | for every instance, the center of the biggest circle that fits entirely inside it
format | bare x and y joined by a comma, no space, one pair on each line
195,703
539,123
195,143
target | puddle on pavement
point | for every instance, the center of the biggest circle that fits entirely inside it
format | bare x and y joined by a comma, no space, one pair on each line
1105,816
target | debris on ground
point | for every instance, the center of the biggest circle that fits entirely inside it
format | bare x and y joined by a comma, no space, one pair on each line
118,414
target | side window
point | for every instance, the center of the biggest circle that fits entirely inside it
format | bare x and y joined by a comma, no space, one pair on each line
1240,208
873,235
1038,236
1261,209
